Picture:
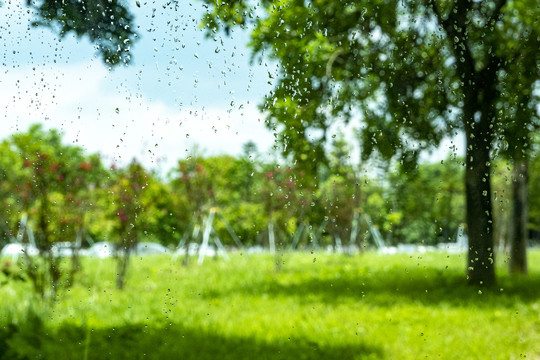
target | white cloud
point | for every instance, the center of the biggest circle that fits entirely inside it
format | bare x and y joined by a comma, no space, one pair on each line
78,100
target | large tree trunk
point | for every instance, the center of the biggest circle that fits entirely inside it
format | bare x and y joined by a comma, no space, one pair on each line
478,84
518,237
478,120
479,117
481,259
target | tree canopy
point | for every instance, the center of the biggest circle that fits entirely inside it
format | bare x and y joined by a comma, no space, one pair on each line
107,23
413,72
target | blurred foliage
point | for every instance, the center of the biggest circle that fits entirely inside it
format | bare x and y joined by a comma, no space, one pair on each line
534,195
107,23
48,183
412,72
64,191
430,203
127,191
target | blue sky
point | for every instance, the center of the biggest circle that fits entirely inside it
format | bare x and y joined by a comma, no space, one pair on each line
182,89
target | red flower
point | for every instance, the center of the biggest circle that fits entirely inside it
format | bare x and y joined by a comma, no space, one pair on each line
55,166
87,166
122,216
269,175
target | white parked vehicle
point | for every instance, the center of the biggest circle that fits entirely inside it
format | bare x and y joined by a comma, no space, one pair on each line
195,249
102,249
149,248
15,250
62,249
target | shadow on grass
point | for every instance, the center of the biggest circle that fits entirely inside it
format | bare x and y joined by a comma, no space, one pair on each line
396,287
136,341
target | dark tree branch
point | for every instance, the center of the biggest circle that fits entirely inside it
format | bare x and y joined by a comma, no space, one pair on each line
497,11
456,31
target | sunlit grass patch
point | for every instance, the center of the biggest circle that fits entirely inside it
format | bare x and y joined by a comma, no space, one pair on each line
368,306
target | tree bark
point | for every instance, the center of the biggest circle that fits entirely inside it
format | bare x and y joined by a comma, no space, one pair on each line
478,122
479,94
122,265
481,257
519,236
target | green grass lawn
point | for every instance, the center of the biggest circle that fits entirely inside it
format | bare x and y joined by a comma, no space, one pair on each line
317,306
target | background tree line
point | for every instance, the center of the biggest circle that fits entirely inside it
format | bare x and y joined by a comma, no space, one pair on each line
64,191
